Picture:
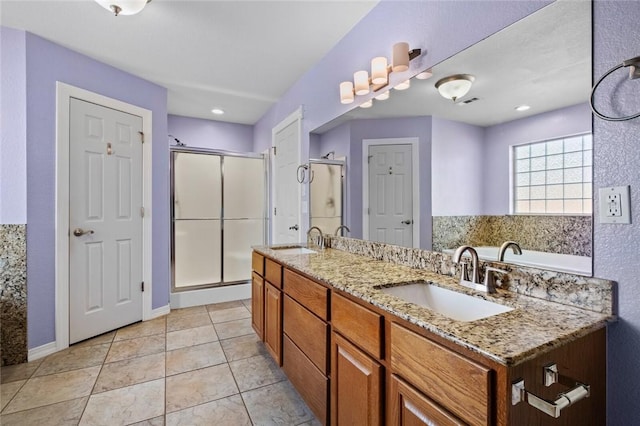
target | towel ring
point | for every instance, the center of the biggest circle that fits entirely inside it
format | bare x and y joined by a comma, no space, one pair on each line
634,63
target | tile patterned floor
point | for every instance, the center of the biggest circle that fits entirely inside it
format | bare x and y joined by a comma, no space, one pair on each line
196,366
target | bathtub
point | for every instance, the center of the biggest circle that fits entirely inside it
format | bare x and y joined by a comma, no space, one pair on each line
580,265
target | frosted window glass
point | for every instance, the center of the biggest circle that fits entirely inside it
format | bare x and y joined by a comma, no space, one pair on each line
196,186
554,162
554,191
239,236
587,141
555,176
538,178
326,190
573,175
586,190
538,149
522,206
555,206
523,179
537,192
587,205
573,190
554,147
538,163
523,193
587,173
243,188
573,206
573,159
522,151
587,158
197,252
538,206
523,165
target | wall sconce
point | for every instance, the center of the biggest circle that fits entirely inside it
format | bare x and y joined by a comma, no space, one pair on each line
380,70
455,86
123,7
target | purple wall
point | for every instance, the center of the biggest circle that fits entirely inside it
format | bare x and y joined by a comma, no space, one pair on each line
13,127
46,64
498,139
457,170
617,162
196,132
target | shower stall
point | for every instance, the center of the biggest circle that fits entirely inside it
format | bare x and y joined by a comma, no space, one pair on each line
326,194
218,211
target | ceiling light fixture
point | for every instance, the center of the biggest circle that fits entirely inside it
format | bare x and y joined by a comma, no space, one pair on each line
217,111
424,75
123,7
380,70
521,108
367,104
403,86
455,86
383,96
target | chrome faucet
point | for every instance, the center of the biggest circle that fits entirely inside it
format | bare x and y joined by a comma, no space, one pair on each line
319,240
345,227
473,282
503,248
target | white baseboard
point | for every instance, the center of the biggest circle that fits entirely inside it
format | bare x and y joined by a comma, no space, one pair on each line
161,311
207,296
42,351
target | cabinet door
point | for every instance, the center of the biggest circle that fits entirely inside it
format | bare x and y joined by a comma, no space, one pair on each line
356,385
273,321
257,304
408,407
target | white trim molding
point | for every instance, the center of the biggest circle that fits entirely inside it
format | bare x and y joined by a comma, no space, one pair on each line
42,351
161,311
415,162
64,93
206,296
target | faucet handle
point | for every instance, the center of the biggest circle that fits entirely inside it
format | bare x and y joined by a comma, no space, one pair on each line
490,278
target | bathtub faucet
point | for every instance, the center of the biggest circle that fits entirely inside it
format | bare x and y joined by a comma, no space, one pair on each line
503,248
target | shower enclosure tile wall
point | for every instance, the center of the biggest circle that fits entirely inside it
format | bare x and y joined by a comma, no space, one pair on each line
218,214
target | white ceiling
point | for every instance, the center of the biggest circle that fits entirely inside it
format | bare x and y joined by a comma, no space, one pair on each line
240,56
543,60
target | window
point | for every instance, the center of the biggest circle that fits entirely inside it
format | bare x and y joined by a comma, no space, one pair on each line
553,177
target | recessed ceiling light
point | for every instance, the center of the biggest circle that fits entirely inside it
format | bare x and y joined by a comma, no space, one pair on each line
522,107
217,111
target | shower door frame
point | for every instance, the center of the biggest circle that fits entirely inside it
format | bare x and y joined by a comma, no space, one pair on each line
173,150
343,187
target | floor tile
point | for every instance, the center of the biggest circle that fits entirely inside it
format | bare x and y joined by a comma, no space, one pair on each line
247,304
126,349
224,305
235,328
156,421
125,405
277,404
191,337
103,338
73,358
40,391
230,314
8,391
202,309
225,411
65,413
243,347
129,372
141,329
194,357
255,372
196,387
314,422
188,321
12,373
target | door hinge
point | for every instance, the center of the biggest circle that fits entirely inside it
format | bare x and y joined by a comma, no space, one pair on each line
275,211
369,159
142,286
141,211
274,150
368,210
141,136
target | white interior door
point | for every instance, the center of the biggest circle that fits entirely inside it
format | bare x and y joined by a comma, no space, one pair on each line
390,194
286,188
105,219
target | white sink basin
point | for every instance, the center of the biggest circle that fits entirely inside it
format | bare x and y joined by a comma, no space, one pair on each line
294,250
457,306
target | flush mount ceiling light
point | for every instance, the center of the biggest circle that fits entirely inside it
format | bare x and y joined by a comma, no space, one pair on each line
123,7
362,84
455,86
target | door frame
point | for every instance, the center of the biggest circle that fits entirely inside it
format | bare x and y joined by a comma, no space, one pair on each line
295,116
415,182
64,93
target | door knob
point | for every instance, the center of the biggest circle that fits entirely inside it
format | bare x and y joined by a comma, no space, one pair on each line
407,222
79,232
294,227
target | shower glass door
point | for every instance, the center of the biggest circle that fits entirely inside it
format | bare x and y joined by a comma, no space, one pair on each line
218,214
326,195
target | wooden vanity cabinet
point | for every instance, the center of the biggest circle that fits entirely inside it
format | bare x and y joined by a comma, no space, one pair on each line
257,304
273,321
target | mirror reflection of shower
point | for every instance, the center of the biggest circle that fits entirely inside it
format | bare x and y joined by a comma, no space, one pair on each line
326,191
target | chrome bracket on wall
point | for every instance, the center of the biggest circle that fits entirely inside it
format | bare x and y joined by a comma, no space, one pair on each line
552,408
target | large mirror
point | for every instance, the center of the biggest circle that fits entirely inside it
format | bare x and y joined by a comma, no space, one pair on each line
425,171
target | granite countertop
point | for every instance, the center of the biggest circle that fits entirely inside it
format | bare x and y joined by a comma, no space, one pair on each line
533,327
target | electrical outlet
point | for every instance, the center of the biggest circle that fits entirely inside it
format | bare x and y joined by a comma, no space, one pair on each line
615,204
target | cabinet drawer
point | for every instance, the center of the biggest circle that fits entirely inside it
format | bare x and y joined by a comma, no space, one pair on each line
307,331
311,295
357,323
312,385
257,263
273,272
455,382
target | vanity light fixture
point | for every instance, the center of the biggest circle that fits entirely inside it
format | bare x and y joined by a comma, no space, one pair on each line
367,104
424,75
521,108
380,69
454,86
383,96
403,86
217,111
123,7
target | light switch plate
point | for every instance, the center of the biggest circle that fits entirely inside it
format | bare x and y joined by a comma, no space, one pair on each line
615,205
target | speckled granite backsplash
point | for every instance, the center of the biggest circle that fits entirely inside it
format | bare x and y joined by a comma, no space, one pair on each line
593,294
551,234
13,294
